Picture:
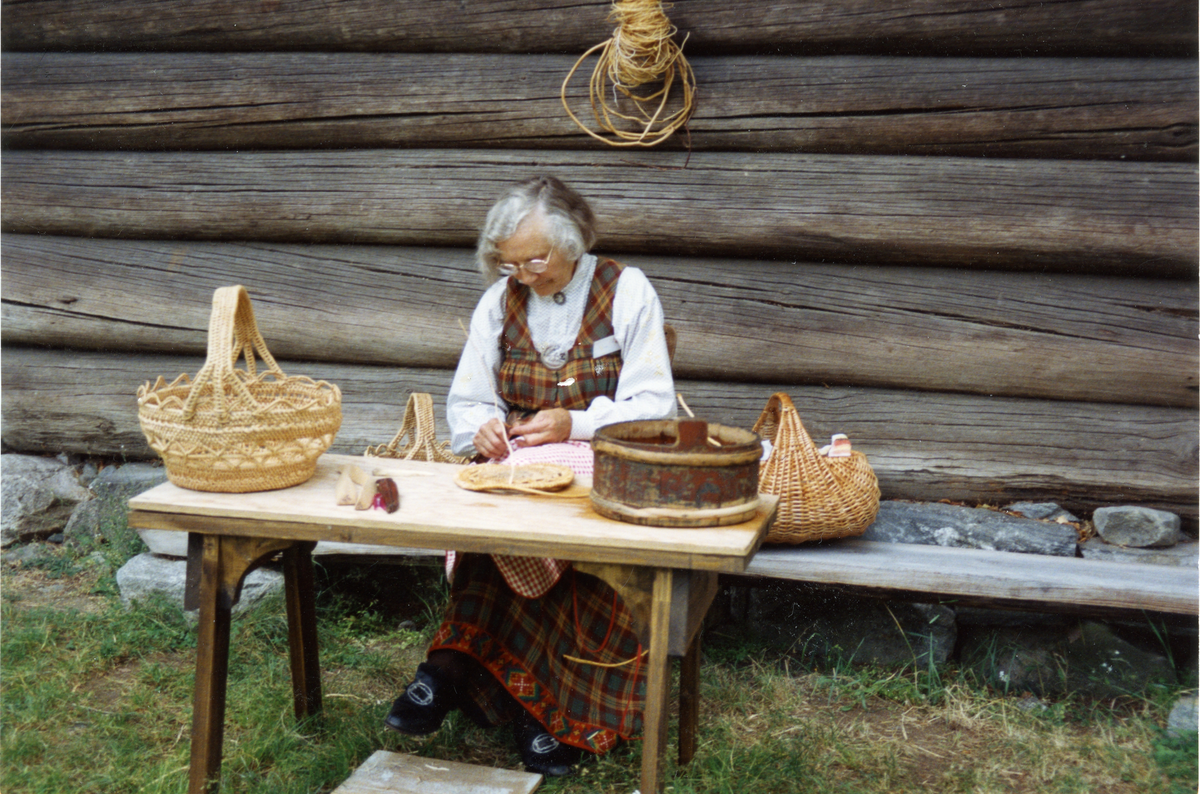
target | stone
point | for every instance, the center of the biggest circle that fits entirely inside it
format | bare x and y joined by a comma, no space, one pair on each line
1103,663
1179,554
832,627
1032,703
1183,719
128,480
165,542
1139,527
83,525
1041,511
113,487
22,555
938,524
148,574
37,497
1088,657
990,616
1016,659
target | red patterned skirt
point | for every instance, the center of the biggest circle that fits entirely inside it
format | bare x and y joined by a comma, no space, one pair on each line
531,647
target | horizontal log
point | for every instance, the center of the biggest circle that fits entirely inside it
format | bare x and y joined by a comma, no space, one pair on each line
925,446
925,27
1121,340
1037,107
1040,215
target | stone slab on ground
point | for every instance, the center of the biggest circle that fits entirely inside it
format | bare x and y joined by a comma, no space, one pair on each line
385,772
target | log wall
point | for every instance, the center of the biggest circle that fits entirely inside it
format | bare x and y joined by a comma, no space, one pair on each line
961,231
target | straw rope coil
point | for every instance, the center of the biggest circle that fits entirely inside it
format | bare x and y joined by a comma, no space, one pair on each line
234,430
640,53
820,498
419,426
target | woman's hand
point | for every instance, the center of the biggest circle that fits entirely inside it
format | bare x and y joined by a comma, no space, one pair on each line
545,427
490,440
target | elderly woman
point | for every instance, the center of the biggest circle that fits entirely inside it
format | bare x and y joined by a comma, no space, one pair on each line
563,345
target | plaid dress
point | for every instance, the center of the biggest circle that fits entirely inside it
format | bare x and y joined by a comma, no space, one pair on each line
549,652
527,384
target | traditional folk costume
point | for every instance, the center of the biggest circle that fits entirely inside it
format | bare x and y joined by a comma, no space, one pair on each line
561,644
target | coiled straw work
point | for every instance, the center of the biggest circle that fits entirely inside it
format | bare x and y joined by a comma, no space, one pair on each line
640,53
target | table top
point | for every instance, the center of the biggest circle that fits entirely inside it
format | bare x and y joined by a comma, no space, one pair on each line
437,514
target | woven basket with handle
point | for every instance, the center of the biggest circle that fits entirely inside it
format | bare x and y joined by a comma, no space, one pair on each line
238,430
421,430
820,498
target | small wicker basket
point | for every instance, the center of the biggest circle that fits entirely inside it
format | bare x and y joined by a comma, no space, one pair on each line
820,498
233,430
421,429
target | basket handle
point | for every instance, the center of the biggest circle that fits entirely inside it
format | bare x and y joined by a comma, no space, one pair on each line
419,425
232,333
781,416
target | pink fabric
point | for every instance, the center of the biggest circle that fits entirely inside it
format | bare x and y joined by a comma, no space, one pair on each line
576,454
533,576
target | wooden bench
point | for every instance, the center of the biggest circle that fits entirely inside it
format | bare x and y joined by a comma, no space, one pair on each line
987,578
974,577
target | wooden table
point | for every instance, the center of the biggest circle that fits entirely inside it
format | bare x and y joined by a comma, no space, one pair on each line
667,576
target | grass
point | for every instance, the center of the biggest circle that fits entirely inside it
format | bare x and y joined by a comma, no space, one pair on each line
97,698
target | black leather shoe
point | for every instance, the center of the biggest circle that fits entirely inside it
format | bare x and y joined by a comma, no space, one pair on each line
541,753
424,704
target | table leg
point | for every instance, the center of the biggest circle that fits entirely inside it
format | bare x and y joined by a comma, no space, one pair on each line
689,700
658,680
302,629
216,567
212,665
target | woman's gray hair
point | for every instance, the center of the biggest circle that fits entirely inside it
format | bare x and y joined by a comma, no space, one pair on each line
570,223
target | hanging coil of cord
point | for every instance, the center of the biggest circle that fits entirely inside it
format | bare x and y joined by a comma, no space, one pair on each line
640,55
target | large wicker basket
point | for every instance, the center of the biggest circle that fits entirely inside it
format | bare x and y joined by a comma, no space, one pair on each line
235,430
820,498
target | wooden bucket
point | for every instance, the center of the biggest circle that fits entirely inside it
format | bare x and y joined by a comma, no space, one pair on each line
669,473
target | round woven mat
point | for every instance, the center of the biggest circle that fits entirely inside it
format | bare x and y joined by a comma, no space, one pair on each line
499,476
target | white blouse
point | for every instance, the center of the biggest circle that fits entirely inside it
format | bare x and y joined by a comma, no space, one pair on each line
645,390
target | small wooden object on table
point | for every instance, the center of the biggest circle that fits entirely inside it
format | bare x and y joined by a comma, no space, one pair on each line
668,577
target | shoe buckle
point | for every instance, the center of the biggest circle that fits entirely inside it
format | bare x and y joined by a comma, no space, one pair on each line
543,744
420,693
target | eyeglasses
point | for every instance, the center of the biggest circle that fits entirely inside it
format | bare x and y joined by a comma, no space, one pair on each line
533,266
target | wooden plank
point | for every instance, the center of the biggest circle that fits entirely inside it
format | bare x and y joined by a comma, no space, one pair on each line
386,772
924,446
999,576
1042,215
1056,336
925,27
1031,107
437,514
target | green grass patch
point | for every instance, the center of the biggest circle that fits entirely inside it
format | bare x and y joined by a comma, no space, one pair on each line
95,697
